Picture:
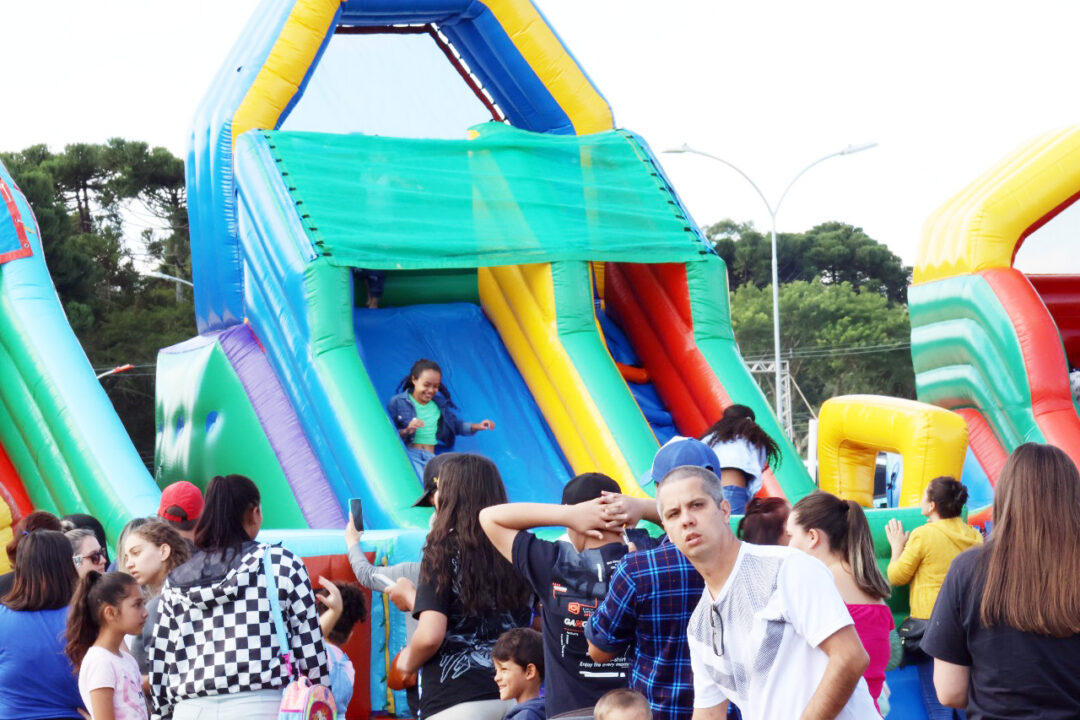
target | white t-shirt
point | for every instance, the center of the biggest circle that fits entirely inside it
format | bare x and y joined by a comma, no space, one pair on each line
101,669
776,607
741,454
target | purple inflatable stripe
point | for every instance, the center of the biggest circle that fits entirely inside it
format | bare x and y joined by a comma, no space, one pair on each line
306,478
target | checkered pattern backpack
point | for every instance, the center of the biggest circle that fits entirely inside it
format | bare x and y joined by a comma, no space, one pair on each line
301,700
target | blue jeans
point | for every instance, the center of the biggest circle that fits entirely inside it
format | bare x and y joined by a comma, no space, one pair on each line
419,459
934,709
737,498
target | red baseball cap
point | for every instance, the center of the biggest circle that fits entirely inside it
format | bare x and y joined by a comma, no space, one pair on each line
180,502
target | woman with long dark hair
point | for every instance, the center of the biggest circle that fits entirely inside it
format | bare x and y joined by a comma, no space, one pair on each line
468,595
37,520
194,665
744,450
36,678
1005,632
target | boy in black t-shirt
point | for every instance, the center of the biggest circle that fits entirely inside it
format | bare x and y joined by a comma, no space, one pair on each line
519,669
570,578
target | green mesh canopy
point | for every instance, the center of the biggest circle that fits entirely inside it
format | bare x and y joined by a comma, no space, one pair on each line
505,197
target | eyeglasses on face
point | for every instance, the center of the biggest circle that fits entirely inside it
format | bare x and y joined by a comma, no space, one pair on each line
714,618
93,558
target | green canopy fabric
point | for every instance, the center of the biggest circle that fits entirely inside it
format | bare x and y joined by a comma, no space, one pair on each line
505,197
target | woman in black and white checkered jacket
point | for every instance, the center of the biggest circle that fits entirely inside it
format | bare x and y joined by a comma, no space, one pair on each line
214,642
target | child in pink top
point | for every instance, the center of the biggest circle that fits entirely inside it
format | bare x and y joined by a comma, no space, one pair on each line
104,609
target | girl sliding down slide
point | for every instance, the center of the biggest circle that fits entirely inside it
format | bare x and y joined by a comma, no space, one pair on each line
423,414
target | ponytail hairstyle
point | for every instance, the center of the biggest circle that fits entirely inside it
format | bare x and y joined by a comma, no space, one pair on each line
948,495
92,593
764,520
844,525
418,367
221,524
738,421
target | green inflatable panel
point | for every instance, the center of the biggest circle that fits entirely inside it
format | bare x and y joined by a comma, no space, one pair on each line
206,426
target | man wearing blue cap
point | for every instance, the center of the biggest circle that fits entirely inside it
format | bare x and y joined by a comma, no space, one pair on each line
648,606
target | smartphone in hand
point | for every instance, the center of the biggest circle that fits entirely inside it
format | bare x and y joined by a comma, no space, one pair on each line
357,510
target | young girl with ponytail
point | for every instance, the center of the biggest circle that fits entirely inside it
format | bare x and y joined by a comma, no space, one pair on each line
835,532
104,609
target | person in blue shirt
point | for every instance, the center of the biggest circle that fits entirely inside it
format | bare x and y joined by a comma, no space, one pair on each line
37,679
424,416
519,671
650,599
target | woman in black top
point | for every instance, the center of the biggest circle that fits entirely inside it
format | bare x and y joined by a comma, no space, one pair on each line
1005,631
468,595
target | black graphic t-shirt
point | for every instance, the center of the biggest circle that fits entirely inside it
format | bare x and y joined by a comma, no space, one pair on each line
571,586
461,670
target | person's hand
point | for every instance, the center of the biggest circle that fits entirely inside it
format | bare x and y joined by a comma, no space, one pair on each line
352,535
485,425
618,511
414,424
403,594
897,537
332,597
398,679
590,519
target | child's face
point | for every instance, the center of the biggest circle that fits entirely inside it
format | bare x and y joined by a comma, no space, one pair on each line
425,386
512,679
131,613
145,561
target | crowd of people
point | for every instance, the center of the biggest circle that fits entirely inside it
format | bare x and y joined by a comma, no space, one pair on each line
783,617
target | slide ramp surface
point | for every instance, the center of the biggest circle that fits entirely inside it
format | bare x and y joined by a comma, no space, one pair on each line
483,382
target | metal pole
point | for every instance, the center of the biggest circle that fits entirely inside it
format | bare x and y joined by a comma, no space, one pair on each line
773,211
778,395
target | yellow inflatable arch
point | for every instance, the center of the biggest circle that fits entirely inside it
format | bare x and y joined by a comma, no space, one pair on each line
853,429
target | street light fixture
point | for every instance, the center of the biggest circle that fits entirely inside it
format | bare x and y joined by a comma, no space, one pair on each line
773,210
163,276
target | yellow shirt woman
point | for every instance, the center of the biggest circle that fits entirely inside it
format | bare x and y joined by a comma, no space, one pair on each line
926,557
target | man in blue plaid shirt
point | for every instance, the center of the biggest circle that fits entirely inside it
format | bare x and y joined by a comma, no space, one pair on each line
649,603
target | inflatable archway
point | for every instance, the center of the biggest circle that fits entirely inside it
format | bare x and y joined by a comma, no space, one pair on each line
853,429
986,340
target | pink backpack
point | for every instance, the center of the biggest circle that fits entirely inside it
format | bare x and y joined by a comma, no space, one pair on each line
304,701
301,700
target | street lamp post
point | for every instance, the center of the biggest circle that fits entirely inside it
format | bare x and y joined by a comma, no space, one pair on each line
773,211
171,278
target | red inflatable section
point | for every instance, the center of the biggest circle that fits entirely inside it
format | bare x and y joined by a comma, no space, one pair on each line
11,489
652,304
988,451
1044,360
337,569
1061,295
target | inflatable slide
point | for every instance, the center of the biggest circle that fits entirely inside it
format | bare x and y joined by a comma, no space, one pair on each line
62,446
988,341
542,259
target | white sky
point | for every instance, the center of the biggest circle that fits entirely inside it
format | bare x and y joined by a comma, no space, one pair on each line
946,88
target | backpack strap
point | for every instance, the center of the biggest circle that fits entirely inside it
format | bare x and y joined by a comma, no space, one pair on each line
275,610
